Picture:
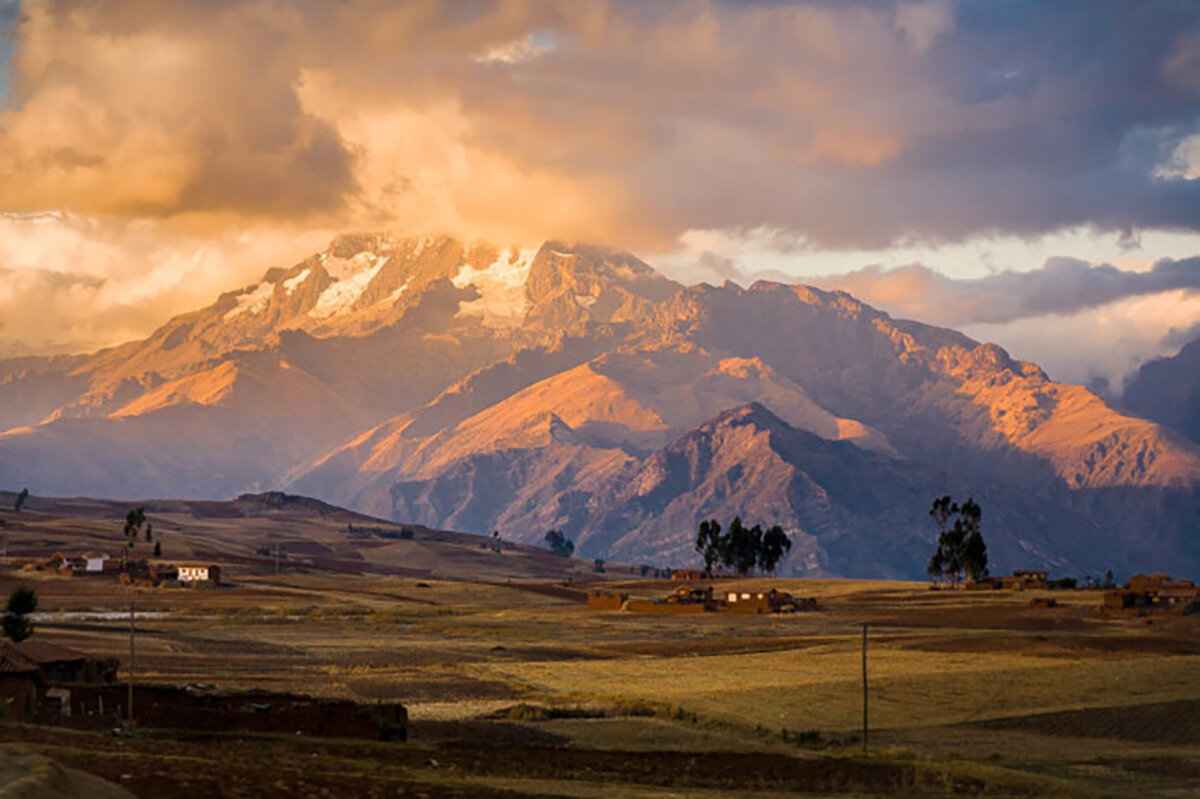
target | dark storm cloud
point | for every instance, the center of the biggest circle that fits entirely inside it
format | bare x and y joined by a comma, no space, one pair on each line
841,124
1062,286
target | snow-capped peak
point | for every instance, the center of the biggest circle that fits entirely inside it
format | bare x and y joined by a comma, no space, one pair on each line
502,300
351,278
252,302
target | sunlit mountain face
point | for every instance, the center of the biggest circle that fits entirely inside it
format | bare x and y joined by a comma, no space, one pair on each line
618,267
574,387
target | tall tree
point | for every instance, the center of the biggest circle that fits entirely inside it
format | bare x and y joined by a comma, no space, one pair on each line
21,603
975,556
19,502
708,544
960,546
741,546
135,522
775,544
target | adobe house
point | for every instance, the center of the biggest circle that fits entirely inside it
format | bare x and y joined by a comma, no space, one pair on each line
772,601
1148,592
191,574
20,685
60,665
57,669
1023,579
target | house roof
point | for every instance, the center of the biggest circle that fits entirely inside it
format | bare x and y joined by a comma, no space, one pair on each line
13,662
40,652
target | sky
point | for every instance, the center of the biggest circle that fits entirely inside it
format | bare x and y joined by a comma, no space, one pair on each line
1027,172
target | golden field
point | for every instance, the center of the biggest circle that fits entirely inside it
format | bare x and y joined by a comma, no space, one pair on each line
515,688
983,686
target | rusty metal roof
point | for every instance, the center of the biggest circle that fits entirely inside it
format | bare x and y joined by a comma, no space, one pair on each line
13,662
40,652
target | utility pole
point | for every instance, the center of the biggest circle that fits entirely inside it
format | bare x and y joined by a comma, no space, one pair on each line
864,684
132,596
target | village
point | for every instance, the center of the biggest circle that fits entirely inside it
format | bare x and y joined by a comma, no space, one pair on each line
433,644
1142,595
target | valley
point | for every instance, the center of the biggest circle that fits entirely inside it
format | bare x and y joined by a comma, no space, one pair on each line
513,685
511,689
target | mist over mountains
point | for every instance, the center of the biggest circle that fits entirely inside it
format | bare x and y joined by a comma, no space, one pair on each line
574,387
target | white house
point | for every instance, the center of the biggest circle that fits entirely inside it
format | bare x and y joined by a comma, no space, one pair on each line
95,563
190,574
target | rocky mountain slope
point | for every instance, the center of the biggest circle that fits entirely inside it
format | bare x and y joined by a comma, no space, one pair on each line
1167,390
574,387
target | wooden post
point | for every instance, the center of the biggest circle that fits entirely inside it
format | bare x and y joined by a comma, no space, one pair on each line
129,706
864,684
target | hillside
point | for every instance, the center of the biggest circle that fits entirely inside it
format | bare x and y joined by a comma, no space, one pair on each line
476,388
244,534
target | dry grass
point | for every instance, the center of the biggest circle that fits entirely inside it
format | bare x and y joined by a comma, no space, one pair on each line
955,677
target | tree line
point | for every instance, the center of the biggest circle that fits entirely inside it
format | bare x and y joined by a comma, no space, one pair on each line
741,548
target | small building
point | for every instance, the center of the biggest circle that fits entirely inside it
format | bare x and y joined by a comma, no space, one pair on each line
20,685
1149,592
196,574
772,601
61,665
748,601
686,575
1022,579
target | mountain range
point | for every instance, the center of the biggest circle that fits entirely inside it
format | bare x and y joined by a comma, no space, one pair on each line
574,387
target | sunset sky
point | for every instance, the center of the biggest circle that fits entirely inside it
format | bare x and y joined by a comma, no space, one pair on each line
1028,172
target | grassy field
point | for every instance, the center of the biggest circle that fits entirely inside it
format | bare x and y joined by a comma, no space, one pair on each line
515,688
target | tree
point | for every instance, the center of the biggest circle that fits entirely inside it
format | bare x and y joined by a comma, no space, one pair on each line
708,544
974,554
775,544
19,502
559,544
158,549
741,546
960,547
21,603
135,521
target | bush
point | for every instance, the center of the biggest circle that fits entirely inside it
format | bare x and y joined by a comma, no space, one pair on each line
807,738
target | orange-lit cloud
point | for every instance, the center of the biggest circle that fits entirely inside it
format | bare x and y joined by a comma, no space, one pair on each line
842,125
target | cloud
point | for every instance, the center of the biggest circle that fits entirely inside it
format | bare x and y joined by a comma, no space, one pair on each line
1061,286
848,124
1083,323
1100,345
1177,337
183,147
76,283
144,110
924,22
